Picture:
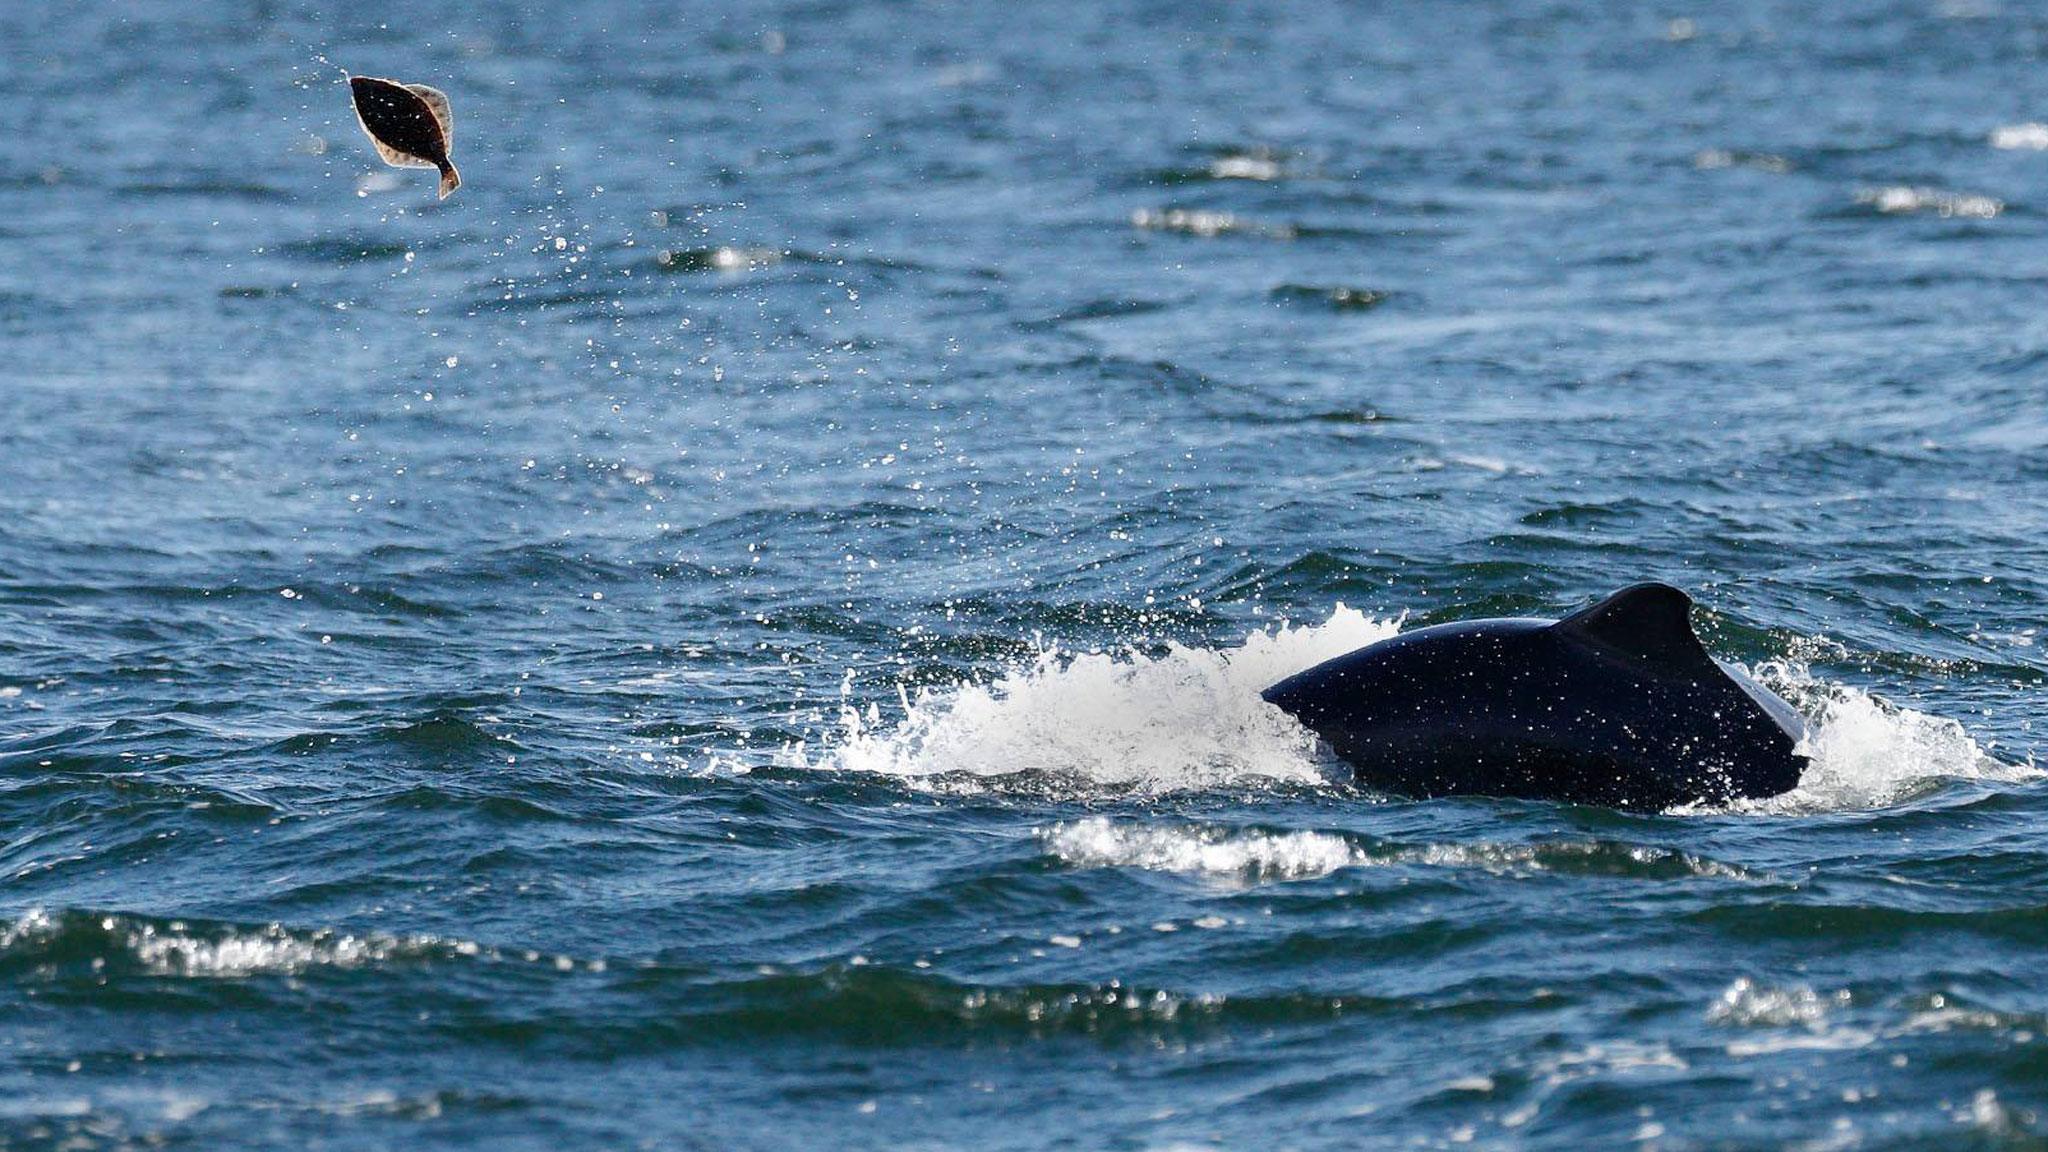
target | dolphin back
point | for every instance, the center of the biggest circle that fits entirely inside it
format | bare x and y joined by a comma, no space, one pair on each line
1618,704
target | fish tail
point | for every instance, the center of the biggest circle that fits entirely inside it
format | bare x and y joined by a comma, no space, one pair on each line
450,179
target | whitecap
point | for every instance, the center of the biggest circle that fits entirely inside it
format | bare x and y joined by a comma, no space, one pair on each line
272,949
1241,166
1206,223
1793,1018
1748,1004
1900,200
2029,137
1098,842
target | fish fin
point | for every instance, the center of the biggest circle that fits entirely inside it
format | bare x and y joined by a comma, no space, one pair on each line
450,180
397,159
437,103
1649,622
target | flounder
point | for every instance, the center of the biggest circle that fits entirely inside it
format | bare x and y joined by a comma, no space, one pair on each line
410,124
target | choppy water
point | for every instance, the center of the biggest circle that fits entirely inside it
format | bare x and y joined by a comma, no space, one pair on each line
742,627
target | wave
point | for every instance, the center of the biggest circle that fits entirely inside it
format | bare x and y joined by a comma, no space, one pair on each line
50,942
1335,298
865,1003
44,944
1251,855
1255,164
661,1004
1901,200
1207,223
1099,842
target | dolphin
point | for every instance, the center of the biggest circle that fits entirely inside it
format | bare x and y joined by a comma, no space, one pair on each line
1617,704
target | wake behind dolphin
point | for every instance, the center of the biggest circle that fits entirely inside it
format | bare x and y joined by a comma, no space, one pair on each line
1618,704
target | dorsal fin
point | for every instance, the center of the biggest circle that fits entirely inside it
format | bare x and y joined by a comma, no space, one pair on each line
397,159
1650,622
437,103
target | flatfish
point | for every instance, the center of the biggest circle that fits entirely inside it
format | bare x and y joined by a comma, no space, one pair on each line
410,124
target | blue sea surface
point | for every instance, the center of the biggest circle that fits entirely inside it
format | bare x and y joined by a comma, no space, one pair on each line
742,627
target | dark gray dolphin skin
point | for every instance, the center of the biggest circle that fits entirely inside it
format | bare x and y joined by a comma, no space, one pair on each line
1617,705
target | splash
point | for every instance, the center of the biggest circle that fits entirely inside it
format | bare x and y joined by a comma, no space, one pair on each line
1188,718
1866,753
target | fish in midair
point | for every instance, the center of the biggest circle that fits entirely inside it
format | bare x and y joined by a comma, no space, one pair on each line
409,123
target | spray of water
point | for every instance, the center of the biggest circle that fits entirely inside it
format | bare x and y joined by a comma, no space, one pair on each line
1186,718
1865,753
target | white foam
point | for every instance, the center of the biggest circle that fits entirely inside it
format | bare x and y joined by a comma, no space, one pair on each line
1187,718
1794,1018
1099,843
1747,1004
172,950
268,950
175,948
2031,136
1901,199
1259,856
1865,753
1245,167
1206,223
1987,1114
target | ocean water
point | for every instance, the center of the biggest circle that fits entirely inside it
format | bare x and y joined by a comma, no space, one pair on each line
742,627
